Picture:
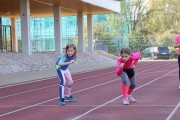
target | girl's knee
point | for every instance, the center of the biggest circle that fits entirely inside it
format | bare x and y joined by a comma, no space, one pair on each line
63,83
70,84
132,86
125,82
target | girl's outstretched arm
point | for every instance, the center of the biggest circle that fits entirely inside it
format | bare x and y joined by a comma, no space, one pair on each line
136,56
62,61
65,63
176,45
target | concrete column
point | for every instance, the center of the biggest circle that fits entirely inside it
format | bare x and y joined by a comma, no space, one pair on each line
1,44
81,45
14,35
58,29
90,33
25,27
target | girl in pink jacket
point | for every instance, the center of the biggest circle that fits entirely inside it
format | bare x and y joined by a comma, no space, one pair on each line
178,46
125,66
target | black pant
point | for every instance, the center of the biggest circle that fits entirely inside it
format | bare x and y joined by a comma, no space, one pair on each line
131,75
130,72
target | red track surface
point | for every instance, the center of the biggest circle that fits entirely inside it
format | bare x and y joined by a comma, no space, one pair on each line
99,97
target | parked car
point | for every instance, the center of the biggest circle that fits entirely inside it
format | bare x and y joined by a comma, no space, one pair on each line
157,52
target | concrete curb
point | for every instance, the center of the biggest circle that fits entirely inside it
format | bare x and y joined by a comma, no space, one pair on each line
35,76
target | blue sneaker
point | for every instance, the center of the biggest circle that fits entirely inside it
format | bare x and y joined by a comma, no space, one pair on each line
70,99
62,103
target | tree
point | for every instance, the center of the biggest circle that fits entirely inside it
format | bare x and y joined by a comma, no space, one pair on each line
154,18
162,20
106,32
132,12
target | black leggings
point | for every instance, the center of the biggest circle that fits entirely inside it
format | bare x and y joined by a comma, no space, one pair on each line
179,65
131,75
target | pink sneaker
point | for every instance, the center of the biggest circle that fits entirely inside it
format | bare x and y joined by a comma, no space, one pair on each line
131,98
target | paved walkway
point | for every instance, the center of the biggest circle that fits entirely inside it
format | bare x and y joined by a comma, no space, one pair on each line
24,77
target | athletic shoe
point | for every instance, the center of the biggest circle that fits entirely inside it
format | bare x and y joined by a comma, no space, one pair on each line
70,99
125,101
130,97
62,103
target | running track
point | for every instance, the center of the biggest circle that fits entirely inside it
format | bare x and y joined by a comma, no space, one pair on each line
99,97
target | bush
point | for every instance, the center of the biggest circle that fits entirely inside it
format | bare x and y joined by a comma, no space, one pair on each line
173,52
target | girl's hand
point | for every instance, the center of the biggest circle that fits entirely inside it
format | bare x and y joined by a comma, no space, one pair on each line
133,66
121,65
72,61
176,45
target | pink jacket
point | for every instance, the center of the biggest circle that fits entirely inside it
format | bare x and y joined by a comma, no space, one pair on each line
133,60
178,42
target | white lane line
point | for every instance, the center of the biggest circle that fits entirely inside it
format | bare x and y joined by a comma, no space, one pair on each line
89,111
9,106
42,79
57,98
1,97
14,111
50,86
173,112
